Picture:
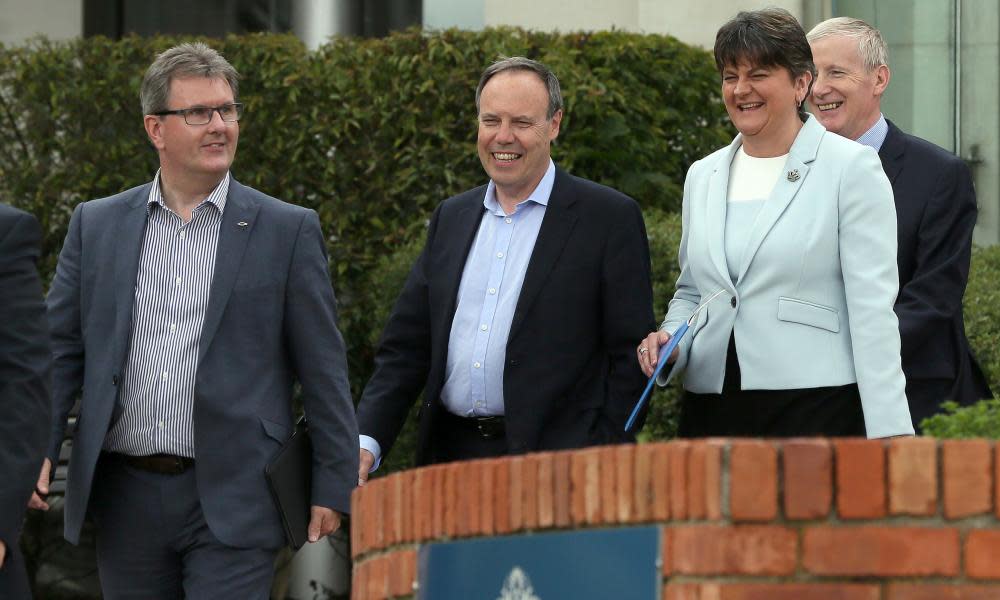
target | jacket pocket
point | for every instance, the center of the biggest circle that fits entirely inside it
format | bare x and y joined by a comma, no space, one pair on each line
808,313
276,431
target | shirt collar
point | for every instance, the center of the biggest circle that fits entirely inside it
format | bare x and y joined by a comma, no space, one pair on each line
540,195
875,136
216,197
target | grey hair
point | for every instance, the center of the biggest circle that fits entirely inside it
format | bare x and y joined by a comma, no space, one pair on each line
519,63
184,60
871,47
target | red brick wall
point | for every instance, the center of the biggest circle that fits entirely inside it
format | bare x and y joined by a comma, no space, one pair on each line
906,519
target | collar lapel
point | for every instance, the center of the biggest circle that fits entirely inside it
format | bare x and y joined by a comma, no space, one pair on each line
718,188
556,226
131,227
891,153
796,170
468,219
233,240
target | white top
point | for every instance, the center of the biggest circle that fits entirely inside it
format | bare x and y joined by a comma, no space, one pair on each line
751,180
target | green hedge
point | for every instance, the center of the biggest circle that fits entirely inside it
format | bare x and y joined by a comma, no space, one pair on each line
372,133
982,325
982,312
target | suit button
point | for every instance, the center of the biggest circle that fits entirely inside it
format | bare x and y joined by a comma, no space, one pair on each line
512,362
732,302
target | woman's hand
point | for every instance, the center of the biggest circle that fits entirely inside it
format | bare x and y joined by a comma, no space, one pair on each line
649,351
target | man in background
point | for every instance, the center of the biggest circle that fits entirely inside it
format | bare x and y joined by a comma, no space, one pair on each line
935,208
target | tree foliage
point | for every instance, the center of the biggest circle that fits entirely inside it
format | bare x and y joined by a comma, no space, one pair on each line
371,133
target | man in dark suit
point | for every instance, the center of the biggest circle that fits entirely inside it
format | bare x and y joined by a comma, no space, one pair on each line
935,208
520,317
24,378
184,309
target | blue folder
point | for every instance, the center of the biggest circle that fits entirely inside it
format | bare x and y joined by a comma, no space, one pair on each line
665,351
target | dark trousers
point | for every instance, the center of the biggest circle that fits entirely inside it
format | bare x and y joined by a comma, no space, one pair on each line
458,438
153,541
14,583
820,411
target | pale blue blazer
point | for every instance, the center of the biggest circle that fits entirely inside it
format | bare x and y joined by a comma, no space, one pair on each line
812,305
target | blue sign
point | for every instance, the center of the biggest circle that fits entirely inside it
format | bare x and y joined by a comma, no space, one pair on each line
596,564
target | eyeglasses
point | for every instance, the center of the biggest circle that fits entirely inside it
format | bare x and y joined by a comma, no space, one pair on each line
202,115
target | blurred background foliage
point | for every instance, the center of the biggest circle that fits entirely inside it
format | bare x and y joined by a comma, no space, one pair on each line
371,133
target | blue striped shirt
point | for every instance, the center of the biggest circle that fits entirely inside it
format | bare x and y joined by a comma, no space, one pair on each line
155,404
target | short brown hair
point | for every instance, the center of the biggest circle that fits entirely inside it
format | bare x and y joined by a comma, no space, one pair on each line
770,37
184,60
519,63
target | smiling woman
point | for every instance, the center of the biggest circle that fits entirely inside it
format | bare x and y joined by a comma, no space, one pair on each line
792,228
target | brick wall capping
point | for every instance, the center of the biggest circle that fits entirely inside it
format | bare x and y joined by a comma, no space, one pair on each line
787,518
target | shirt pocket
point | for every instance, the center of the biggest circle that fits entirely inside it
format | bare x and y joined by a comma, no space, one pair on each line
794,310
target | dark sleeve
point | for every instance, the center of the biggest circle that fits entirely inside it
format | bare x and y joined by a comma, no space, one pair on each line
931,298
319,359
24,370
403,358
64,326
628,312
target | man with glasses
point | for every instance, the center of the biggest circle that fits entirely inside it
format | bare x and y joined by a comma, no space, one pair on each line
184,309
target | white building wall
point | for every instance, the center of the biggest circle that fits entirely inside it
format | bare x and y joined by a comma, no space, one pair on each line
21,20
692,22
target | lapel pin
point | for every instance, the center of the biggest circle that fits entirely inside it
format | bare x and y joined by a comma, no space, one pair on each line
793,175
244,223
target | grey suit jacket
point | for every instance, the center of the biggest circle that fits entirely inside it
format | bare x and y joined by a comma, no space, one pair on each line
270,320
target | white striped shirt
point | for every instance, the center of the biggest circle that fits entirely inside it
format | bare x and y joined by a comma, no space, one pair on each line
155,403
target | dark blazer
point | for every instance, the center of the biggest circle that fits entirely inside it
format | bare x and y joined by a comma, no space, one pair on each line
270,320
936,212
24,373
571,375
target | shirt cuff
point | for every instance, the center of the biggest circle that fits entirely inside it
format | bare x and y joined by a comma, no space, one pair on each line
368,443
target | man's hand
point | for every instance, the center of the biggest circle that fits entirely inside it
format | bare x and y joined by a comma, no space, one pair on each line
364,465
323,521
649,351
3,553
37,500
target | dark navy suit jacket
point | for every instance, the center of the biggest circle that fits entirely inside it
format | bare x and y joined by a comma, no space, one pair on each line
571,374
270,320
936,211
24,376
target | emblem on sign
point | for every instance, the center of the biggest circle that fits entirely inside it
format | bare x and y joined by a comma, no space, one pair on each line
517,587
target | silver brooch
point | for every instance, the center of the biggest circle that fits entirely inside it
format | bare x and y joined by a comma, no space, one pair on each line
793,175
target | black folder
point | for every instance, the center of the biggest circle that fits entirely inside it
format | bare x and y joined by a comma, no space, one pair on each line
289,476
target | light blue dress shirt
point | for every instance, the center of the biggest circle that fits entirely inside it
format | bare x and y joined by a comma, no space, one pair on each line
875,137
487,296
